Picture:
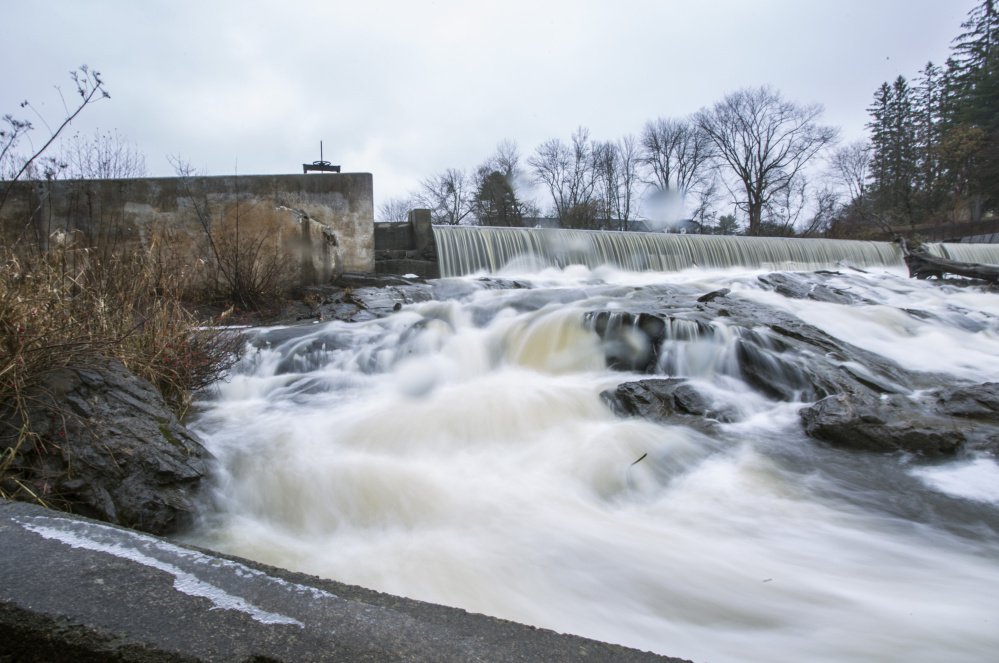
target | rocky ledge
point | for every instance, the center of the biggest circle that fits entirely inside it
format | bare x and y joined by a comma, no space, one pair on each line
857,400
105,446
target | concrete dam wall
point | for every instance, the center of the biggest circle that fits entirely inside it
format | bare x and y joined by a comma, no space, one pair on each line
72,589
324,222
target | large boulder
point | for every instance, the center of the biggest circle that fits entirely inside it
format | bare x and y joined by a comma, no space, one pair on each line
885,423
941,422
978,402
106,446
805,286
666,400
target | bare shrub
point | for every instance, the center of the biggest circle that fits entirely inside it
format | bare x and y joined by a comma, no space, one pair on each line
252,249
69,308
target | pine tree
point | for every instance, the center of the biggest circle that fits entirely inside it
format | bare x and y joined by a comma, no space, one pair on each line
927,110
893,166
496,202
972,141
976,54
880,139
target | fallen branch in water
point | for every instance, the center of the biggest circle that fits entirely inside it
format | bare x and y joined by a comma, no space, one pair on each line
922,265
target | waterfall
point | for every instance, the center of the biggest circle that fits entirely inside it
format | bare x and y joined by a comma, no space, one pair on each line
471,249
986,254
467,447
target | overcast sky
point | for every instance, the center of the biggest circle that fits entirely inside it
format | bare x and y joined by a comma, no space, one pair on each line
403,89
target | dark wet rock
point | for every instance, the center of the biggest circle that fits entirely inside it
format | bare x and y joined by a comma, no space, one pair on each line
775,352
975,410
768,366
883,423
631,340
938,423
665,400
805,286
835,366
496,283
713,295
357,304
106,446
368,280
971,402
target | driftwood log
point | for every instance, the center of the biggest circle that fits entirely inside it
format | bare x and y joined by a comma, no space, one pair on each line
923,265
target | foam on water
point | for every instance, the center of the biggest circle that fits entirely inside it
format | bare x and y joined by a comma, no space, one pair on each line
976,479
460,452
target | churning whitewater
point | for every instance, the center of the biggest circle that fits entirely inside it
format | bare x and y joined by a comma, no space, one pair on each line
459,451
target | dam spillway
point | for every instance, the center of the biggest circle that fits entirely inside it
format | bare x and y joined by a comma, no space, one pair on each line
475,249
461,449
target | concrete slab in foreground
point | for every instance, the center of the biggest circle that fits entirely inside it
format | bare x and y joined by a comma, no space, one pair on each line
72,589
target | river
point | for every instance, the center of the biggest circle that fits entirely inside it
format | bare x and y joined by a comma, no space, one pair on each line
458,451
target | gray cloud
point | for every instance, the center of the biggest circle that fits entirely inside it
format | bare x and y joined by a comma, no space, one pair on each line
403,89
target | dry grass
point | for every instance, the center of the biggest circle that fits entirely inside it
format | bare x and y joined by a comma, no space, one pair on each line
69,307
254,263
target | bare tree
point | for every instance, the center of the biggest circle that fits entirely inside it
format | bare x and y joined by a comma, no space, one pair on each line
89,87
104,156
784,208
505,160
850,166
766,142
826,203
703,202
569,174
616,165
550,164
395,209
677,154
448,195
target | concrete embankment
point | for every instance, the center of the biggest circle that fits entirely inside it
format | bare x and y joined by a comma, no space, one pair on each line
73,589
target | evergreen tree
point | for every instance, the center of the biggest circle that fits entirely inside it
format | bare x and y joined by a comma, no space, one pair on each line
880,137
927,109
935,147
976,54
971,144
893,164
496,203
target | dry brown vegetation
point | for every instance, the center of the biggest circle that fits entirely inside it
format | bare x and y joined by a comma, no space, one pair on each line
253,262
70,306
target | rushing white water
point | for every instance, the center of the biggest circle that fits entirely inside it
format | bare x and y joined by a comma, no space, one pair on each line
459,452
466,250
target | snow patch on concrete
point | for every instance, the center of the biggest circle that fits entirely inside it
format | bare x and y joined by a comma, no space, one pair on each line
154,553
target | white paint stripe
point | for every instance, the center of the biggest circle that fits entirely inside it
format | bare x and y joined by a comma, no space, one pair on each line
184,581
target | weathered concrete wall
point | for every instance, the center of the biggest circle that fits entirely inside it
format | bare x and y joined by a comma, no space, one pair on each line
407,247
393,236
72,589
318,217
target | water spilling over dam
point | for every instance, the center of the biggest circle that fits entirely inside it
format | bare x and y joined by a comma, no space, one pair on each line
469,449
472,249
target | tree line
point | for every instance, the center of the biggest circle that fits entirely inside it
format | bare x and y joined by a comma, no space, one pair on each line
932,156
753,145
933,153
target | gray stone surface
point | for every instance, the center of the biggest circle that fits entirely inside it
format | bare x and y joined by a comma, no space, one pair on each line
106,446
77,590
939,423
668,400
163,211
